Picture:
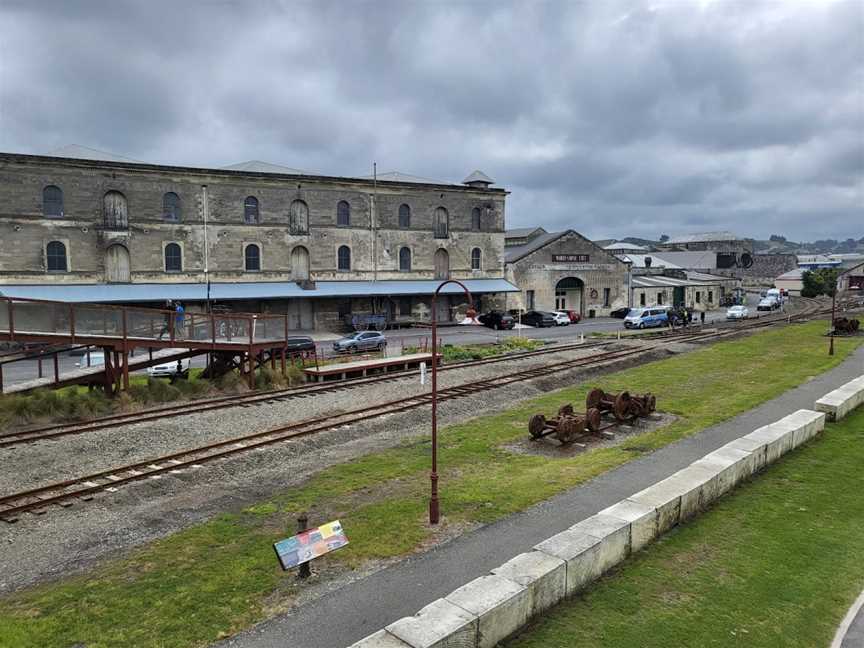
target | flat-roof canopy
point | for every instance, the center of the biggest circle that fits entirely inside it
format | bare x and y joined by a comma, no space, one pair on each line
157,292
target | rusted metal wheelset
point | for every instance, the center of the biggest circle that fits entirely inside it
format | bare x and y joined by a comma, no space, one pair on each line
846,326
568,425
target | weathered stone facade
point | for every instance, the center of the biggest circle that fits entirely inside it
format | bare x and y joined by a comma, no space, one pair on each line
566,271
158,246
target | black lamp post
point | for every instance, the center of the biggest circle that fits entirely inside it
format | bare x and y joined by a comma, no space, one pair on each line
434,513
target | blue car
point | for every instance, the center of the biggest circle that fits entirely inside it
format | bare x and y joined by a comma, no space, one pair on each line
646,318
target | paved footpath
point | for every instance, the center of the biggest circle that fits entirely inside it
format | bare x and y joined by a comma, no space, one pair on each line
851,631
364,606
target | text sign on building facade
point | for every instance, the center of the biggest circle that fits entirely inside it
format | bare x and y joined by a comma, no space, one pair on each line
310,544
570,258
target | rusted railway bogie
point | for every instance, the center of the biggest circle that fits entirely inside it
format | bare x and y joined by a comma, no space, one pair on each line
566,426
623,406
846,326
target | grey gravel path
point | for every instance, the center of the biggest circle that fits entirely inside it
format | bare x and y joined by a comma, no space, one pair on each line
364,606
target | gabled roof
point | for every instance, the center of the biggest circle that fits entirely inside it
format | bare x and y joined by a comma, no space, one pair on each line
638,261
257,166
398,176
478,176
522,232
516,252
621,245
702,237
78,152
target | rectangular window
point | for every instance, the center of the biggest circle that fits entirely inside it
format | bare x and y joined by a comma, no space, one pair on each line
710,296
641,299
529,299
659,297
698,297
606,294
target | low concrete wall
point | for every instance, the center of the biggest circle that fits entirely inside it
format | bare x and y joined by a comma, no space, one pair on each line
491,608
841,401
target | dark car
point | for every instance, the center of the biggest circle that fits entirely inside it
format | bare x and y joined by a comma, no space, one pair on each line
360,341
620,313
497,320
298,343
538,318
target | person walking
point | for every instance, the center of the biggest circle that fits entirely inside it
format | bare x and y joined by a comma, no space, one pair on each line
179,319
702,317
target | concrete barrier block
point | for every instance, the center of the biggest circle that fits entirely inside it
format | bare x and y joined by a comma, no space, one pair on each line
440,624
642,518
544,576
581,554
806,424
699,486
838,403
777,438
614,536
755,447
666,500
381,639
500,605
733,465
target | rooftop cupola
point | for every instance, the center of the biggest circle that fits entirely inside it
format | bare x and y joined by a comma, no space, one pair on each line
479,180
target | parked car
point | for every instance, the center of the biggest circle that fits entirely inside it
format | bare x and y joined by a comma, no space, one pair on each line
170,369
620,313
575,317
737,312
497,320
298,343
768,304
76,351
360,341
96,358
647,317
538,318
562,318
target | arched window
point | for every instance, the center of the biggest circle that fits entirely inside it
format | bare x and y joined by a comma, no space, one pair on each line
173,258
475,219
405,260
171,206
114,210
442,223
299,263
250,210
343,214
55,257
344,258
442,264
475,259
298,218
252,259
404,216
52,201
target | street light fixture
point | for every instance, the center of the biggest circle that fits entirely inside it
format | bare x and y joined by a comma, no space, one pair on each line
434,513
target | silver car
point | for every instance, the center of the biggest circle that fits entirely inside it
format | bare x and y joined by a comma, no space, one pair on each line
360,341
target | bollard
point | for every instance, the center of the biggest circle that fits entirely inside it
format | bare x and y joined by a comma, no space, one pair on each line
619,334
305,570
581,337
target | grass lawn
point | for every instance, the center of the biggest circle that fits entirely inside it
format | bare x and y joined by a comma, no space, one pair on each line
776,563
218,577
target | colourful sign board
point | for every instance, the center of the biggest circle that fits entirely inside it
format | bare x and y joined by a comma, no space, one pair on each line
310,544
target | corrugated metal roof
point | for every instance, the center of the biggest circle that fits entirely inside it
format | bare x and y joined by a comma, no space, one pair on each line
231,291
257,166
661,281
638,261
398,176
478,176
703,237
522,232
78,152
624,246
516,252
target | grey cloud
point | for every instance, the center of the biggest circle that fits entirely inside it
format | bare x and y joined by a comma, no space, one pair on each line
616,118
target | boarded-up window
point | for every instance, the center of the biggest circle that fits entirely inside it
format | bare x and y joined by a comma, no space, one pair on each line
475,219
343,259
476,258
252,259
442,223
405,259
298,218
171,206
117,264
343,214
300,263
173,258
250,210
52,201
442,264
404,216
55,257
114,210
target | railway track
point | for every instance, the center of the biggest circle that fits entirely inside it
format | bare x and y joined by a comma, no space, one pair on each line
84,488
19,437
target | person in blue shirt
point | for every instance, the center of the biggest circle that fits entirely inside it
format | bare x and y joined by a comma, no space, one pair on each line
179,318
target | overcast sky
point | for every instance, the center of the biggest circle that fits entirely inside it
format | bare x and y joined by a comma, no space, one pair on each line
612,118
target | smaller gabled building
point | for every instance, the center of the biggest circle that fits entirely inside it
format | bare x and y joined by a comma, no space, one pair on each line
563,271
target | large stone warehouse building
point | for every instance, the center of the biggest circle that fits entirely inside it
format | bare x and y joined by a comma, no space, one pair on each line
268,238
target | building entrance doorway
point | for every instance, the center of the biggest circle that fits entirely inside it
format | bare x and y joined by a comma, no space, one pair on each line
678,296
568,294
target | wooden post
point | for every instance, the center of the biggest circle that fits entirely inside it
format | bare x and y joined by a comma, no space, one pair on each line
282,358
39,366
125,369
251,357
72,322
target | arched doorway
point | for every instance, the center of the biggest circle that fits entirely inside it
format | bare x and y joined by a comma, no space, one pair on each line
568,294
300,263
117,266
442,264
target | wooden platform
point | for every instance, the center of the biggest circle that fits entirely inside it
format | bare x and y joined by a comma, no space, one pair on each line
357,368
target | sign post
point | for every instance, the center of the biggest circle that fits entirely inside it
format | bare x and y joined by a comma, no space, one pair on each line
309,544
422,373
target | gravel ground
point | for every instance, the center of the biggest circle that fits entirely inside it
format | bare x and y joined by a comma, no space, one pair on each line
62,541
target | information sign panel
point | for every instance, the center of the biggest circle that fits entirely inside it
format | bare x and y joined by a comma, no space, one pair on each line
310,544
